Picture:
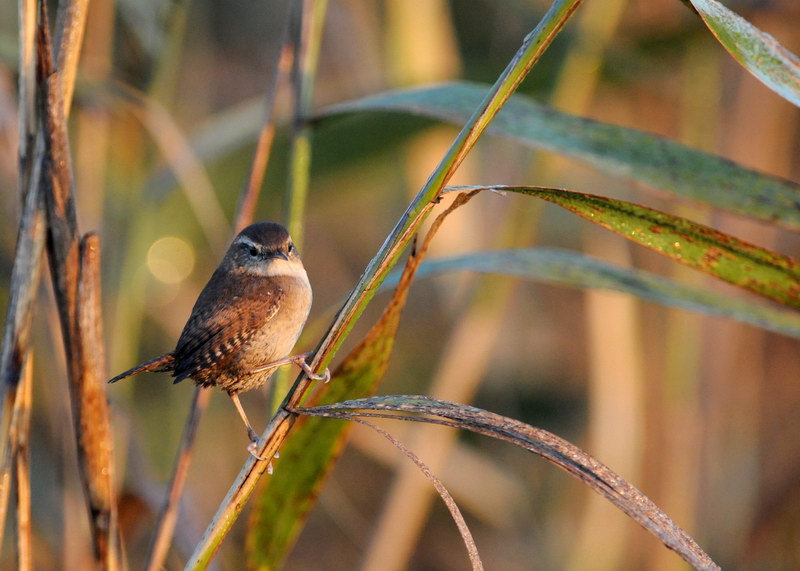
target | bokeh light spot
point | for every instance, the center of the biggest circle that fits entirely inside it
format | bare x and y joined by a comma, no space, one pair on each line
170,259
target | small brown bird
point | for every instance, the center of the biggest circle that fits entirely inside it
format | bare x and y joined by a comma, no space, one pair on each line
246,320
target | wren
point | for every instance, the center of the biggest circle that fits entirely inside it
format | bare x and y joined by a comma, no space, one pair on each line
246,320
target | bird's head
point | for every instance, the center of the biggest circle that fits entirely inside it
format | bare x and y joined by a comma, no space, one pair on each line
264,249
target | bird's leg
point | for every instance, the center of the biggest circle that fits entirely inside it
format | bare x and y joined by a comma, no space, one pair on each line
251,448
300,361
274,364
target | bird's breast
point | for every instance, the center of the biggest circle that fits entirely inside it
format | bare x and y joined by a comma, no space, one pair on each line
278,335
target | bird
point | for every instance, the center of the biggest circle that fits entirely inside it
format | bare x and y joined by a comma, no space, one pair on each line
245,321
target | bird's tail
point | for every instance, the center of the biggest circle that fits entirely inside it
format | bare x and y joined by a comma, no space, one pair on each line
165,362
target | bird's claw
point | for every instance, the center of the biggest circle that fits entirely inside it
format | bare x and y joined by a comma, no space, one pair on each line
252,448
325,376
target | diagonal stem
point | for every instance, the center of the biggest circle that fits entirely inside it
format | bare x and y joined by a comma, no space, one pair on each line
529,53
416,213
168,517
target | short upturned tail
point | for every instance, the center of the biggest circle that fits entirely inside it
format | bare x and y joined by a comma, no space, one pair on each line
160,364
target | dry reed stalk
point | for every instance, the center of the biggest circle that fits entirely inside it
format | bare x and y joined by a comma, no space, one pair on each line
93,424
33,174
22,462
74,266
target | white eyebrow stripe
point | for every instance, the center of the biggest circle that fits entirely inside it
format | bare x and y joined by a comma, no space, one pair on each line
244,240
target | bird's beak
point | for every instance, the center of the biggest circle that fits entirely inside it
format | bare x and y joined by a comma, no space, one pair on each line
281,254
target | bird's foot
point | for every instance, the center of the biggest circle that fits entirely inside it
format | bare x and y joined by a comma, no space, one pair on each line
325,377
252,448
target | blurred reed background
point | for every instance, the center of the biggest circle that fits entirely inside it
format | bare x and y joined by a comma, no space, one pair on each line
700,413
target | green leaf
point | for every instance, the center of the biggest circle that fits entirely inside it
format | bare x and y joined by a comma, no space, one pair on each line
568,268
647,158
758,52
746,265
310,451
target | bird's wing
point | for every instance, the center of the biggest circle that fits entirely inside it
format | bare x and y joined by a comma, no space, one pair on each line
226,315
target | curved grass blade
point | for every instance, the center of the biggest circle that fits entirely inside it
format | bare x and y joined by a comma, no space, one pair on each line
455,512
545,444
756,51
621,151
746,265
568,268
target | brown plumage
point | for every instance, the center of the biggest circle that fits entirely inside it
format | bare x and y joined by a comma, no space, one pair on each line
249,315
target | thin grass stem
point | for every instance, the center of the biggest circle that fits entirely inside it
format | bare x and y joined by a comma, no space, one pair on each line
168,517
307,48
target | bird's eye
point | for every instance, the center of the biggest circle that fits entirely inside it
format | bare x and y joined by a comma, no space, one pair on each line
253,251
291,248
